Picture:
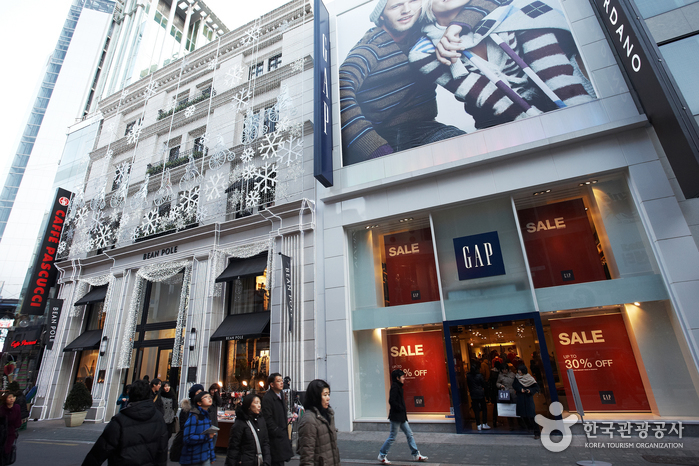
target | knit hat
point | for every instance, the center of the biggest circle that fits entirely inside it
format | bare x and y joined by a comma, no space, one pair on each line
195,388
378,11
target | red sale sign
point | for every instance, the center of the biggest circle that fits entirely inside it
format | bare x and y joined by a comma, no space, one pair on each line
598,350
421,356
411,274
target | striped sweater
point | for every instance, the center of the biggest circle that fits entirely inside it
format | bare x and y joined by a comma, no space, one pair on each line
379,89
549,52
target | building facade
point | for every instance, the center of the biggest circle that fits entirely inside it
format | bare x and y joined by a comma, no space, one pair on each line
557,238
199,188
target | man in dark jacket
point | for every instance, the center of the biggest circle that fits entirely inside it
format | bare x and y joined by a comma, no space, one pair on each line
155,395
136,436
274,412
398,415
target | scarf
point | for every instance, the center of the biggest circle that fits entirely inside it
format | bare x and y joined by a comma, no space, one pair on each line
170,394
325,413
526,380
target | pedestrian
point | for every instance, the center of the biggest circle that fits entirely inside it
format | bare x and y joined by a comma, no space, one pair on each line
398,415
187,405
155,385
526,387
167,395
274,410
136,435
12,415
123,399
492,387
317,432
248,444
216,402
505,381
197,445
476,388
20,401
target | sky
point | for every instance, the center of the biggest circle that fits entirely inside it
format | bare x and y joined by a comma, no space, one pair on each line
31,30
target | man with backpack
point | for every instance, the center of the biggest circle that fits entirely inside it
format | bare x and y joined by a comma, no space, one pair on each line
137,435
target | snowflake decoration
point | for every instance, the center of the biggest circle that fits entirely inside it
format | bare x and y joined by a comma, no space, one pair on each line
284,101
283,124
247,155
270,145
134,134
298,64
281,191
61,247
122,172
69,233
102,237
151,89
205,138
249,171
171,104
109,154
234,76
214,187
190,111
296,130
266,178
98,202
180,223
124,93
150,222
236,199
252,199
114,216
189,200
294,171
292,150
201,215
212,65
251,35
240,100
284,26
97,220
140,199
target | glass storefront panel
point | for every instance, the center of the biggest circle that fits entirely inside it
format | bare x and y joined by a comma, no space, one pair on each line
86,367
248,294
246,364
97,316
159,334
164,300
481,262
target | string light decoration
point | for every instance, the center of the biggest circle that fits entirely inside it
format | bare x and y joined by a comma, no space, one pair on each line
82,288
149,273
178,348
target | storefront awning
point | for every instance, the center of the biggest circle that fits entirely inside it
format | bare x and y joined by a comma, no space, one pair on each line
86,341
95,295
242,267
243,327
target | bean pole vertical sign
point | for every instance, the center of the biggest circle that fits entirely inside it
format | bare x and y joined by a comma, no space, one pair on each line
43,275
288,294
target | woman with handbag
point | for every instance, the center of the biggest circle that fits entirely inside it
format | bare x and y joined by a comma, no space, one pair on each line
317,432
169,407
249,444
11,417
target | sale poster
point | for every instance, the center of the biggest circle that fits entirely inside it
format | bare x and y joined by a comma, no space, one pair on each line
598,350
420,355
411,274
560,244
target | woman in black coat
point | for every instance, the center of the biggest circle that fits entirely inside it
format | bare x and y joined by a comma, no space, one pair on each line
476,387
526,387
242,447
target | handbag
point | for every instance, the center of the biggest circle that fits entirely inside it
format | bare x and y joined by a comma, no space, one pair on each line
503,395
260,460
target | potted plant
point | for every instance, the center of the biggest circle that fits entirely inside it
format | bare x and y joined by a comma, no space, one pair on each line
77,403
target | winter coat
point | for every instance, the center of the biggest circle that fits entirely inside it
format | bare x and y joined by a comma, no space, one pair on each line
476,385
397,412
274,412
14,422
157,399
216,402
186,407
136,436
492,383
525,401
22,402
318,439
123,401
507,379
242,449
196,446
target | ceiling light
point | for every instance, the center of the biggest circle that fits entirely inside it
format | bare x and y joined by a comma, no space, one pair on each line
636,303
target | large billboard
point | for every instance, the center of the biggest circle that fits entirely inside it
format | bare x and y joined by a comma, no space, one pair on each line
519,59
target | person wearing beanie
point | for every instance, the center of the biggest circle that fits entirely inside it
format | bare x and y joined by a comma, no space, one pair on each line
187,405
398,415
387,105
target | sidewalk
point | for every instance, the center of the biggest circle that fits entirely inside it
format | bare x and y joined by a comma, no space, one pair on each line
442,449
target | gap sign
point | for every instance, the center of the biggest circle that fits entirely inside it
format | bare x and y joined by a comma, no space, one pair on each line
479,256
322,101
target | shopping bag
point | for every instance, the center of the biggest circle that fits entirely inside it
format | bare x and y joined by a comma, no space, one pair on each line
507,409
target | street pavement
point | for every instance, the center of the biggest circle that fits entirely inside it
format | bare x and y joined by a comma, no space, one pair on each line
50,442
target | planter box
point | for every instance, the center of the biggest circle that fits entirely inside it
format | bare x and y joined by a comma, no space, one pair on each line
74,419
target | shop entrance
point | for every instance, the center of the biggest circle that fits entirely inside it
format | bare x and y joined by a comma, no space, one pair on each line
154,362
484,344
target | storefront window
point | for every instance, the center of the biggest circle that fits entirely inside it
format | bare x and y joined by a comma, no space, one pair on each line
86,367
164,300
246,364
481,262
248,294
96,316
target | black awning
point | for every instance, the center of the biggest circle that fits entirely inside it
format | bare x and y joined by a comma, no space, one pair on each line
95,295
241,267
243,327
86,341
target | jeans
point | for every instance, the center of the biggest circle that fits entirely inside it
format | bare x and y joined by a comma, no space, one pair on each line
479,407
405,427
417,133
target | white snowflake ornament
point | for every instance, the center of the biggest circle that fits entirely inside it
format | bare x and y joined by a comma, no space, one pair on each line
190,111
